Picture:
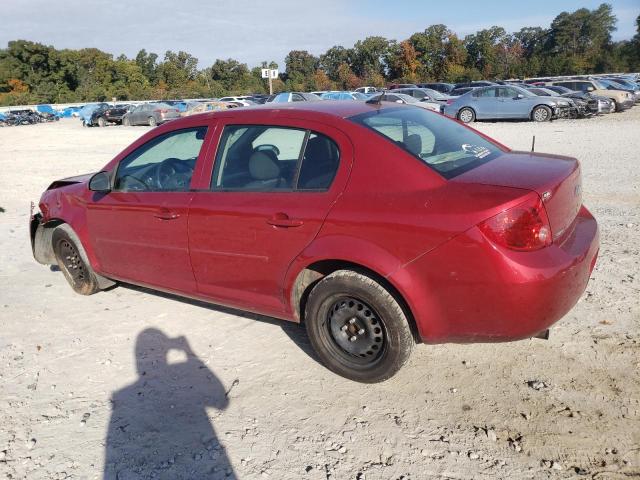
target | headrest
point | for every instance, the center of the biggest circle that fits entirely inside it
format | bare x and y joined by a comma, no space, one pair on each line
263,166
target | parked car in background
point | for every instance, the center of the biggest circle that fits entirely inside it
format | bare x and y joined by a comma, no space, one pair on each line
242,101
456,92
622,100
383,226
406,100
622,85
424,94
86,112
439,87
48,110
595,103
479,83
505,102
286,97
258,98
578,108
367,90
393,86
108,114
151,114
343,96
202,107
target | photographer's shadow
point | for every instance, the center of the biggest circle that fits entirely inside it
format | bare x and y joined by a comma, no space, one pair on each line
159,426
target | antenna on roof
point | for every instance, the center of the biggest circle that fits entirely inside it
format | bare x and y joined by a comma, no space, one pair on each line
533,144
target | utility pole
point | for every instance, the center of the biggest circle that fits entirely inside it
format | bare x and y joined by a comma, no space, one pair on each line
270,74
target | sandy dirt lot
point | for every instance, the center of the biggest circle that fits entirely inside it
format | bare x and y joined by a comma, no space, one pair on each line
171,389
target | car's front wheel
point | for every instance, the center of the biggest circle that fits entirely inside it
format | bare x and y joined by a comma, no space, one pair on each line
357,327
541,114
73,262
466,115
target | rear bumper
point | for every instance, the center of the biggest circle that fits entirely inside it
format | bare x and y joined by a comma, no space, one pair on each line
469,290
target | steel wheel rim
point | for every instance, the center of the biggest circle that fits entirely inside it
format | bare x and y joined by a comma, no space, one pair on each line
72,262
355,331
466,116
541,114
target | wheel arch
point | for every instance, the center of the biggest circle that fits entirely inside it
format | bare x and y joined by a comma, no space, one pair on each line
540,105
312,273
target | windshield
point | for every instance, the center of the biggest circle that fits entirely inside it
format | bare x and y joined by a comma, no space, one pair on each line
600,85
444,145
434,94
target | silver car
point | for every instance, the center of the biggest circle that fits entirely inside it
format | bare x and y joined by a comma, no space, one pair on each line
504,102
151,114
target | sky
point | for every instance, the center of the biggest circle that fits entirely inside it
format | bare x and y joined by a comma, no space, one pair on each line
253,31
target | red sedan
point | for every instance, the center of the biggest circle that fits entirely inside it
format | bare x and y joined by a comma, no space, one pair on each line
377,225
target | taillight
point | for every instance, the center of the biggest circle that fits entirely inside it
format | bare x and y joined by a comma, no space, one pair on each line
164,110
524,227
449,101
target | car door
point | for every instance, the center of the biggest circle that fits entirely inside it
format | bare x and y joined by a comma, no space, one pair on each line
139,229
510,105
273,184
484,103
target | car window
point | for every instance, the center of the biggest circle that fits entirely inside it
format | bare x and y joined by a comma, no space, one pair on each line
444,145
296,97
487,92
165,163
267,158
319,163
257,158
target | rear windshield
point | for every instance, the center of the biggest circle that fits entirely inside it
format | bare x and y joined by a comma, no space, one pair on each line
444,145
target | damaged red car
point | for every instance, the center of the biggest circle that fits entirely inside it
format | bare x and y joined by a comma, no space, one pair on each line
377,225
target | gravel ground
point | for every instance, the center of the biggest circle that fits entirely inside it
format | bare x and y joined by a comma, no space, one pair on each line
178,389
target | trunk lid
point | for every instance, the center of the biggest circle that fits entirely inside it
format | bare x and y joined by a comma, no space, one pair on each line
555,178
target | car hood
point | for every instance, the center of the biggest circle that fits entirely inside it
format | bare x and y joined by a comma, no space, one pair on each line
63,182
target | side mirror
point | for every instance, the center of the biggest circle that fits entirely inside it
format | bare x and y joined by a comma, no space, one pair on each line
590,88
519,96
399,101
100,182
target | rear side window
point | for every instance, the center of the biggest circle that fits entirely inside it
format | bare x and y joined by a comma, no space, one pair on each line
273,158
444,145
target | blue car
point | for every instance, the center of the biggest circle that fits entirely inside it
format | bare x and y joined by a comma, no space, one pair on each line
499,102
45,108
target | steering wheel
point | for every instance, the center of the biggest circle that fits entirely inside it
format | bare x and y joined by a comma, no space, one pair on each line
172,173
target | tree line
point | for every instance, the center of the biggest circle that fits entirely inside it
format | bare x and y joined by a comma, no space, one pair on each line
576,42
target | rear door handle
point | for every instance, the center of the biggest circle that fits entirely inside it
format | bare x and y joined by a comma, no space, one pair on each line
166,214
281,219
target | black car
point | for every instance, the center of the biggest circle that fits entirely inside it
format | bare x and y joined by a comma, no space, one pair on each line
108,114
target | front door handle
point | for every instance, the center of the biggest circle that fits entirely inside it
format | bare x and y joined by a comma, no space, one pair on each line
166,214
281,219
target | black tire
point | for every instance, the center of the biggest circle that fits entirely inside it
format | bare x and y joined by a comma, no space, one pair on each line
126,122
541,113
357,328
152,121
616,106
102,122
467,115
73,262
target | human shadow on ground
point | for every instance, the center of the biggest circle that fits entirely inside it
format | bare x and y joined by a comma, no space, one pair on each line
295,331
159,426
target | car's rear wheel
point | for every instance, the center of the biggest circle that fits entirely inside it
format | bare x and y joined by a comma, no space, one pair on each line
357,327
152,121
72,260
466,115
126,122
102,122
541,114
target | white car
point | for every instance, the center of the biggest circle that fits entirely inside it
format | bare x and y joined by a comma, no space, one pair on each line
367,90
242,100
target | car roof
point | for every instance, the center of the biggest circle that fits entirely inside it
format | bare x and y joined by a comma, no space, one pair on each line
310,110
